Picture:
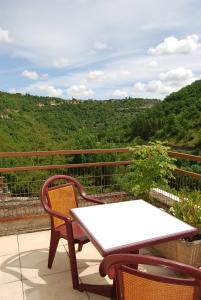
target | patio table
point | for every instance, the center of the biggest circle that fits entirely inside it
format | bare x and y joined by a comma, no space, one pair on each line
126,227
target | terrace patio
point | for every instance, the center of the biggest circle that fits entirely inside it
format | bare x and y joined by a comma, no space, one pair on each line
23,256
24,274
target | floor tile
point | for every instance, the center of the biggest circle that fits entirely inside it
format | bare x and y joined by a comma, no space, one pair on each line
64,242
34,263
9,268
34,240
91,275
88,256
96,297
11,291
89,252
52,287
145,251
156,270
9,245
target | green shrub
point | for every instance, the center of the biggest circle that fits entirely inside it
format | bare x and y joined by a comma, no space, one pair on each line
189,208
151,167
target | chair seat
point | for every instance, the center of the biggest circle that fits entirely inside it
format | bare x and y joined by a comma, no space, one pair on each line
78,234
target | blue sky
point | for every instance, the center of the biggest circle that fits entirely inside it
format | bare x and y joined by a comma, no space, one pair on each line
99,49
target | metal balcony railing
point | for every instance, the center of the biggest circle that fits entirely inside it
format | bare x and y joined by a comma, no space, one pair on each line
22,174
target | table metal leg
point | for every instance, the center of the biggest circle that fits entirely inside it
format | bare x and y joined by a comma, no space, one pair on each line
99,289
103,290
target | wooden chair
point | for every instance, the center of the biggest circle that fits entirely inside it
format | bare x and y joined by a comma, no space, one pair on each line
132,283
57,200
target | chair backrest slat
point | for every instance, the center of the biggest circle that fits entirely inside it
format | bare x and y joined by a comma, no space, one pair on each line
62,198
135,287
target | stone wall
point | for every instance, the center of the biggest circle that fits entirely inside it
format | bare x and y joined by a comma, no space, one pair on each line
23,214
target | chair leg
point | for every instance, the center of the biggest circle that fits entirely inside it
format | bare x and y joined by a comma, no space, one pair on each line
80,246
72,257
54,240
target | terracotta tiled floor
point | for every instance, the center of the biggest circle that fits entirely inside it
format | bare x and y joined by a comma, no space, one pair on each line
24,274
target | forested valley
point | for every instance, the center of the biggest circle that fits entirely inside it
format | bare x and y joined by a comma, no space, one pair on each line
177,120
32,123
29,123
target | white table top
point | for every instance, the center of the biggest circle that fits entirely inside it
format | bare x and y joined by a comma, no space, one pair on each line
122,224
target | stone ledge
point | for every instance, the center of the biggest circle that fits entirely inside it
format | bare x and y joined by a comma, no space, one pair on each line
166,198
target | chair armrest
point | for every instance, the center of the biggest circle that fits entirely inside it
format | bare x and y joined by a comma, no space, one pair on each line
57,214
92,199
107,266
85,196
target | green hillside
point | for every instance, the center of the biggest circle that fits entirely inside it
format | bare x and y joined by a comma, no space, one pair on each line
42,123
176,119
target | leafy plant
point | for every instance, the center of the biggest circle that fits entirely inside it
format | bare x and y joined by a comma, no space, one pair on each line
189,208
151,167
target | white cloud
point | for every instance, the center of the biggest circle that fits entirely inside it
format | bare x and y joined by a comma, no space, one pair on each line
40,89
100,45
96,75
50,90
120,94
4,36
44,76
152,64
139,87
178,76
169,82
109,76
124,74
60,62
153,86
157,86
12,91
172,45
80,91
30,74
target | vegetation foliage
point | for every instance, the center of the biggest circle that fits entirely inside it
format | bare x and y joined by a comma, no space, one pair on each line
29,123
151,167
177,119
42,123
189,207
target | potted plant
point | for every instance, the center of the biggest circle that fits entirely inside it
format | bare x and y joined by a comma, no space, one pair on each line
187,250
149,174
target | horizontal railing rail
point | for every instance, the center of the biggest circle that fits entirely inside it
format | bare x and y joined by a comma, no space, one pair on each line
185,156
62,152
188,173
84,165
92,151
66,166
